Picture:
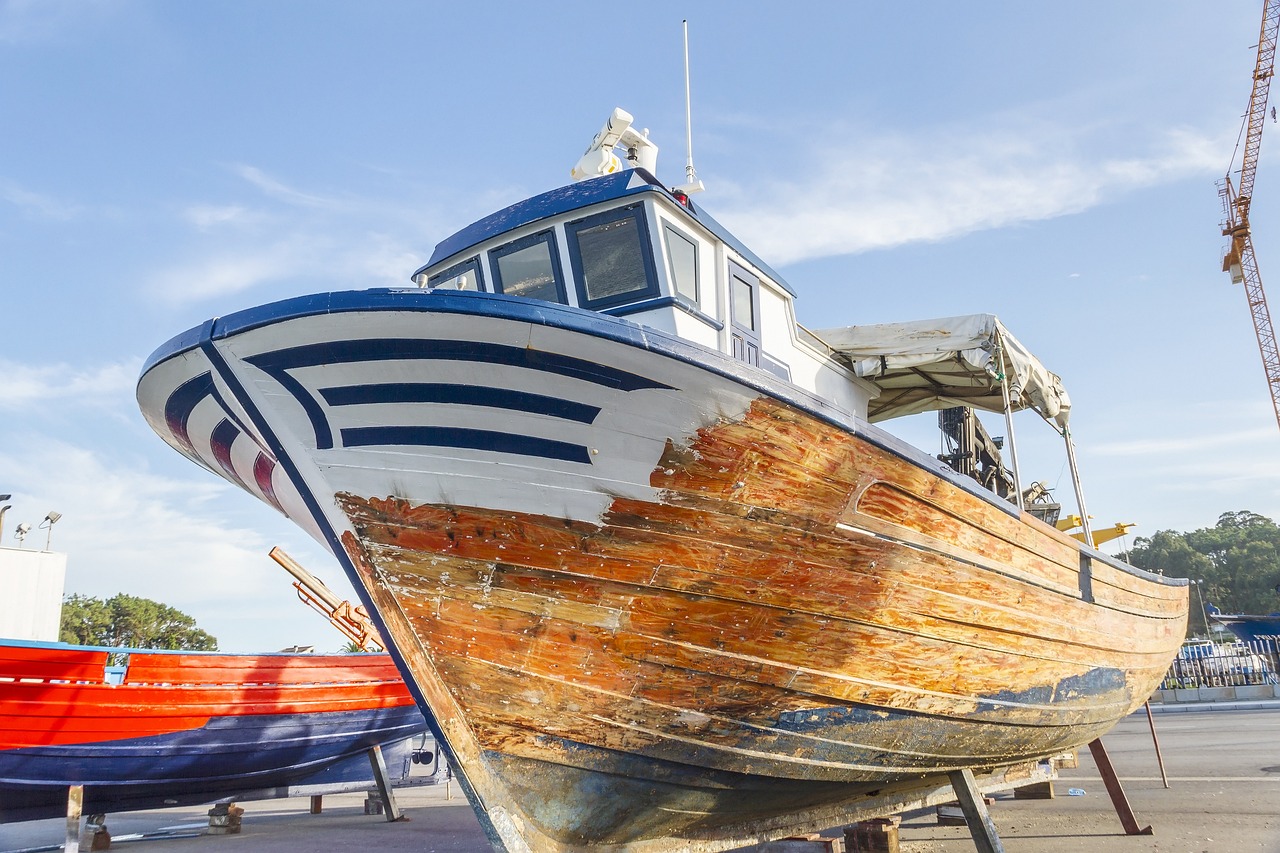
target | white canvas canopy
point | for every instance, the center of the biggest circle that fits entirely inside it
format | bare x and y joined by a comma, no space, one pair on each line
925,365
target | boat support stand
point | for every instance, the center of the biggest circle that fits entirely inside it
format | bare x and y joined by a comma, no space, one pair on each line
983,829
388,797
75,802
981,826
1118,799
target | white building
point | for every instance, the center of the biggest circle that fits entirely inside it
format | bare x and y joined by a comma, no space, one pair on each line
31,584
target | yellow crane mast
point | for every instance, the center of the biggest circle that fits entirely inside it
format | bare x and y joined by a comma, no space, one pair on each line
1240,261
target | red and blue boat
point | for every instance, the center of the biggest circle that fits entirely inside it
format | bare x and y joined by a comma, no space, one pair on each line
147,729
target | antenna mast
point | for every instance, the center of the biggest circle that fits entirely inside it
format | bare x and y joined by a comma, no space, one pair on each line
692,184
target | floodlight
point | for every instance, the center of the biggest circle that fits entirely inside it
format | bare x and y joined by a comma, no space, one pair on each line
49,521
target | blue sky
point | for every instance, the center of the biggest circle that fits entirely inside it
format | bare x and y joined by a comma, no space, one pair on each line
163,162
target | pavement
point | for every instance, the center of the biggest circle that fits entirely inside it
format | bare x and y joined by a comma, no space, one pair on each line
1222,766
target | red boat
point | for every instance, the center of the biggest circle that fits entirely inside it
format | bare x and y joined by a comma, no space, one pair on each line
145,729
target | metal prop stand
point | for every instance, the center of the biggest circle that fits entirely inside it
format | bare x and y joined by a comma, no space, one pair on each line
1075,479
379,765
981,827
1108,773
1151,721
1008,428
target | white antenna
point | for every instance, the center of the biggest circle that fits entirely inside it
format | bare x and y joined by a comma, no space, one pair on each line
692,184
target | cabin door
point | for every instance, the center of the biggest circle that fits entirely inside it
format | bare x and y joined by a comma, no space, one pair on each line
744,314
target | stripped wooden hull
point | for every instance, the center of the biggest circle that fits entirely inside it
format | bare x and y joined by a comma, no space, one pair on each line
187,727
679,606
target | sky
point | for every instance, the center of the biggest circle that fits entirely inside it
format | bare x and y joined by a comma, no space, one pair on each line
162,163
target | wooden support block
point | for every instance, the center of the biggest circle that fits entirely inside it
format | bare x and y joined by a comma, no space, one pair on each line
224,819
95,836
317,804
812,843
879,835
372,803
1067,760
1037,791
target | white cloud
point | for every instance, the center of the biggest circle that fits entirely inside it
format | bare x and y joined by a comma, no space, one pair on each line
233,269
879,192
278,190
38,205
208,216
26,385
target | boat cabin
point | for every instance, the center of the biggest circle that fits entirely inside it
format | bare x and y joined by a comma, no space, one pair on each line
624,245
620,243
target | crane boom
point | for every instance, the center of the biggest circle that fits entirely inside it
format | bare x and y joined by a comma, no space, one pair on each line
1240,261
352,621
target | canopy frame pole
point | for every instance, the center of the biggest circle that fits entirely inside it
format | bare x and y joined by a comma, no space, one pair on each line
1075,481
1008,426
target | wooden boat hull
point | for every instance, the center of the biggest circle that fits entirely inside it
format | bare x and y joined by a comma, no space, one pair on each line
654,599
180,728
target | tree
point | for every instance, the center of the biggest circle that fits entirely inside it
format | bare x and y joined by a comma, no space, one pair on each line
1238,560
130,622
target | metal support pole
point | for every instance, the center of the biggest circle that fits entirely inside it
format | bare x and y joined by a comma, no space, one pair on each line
75,803
981,827
379,765
1151,721
1109,778
1075,479
1013,444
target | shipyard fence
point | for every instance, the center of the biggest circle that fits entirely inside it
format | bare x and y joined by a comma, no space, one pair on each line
1225,665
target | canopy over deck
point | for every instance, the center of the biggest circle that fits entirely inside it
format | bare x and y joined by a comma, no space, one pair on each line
925,365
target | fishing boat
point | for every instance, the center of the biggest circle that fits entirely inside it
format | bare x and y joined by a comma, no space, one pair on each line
143,729
1253,629
634,536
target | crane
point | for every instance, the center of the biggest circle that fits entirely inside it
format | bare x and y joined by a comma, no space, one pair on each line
352,621
1239,260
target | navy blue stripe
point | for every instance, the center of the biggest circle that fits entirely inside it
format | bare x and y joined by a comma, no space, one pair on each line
467,395
394,349
471,439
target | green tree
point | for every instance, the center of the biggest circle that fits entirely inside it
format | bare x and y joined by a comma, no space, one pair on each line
1238,561
131,622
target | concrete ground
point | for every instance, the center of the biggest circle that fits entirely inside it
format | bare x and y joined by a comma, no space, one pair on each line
1224,797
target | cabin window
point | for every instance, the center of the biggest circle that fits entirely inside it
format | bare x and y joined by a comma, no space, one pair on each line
744,314
529,267
682,263
611,257
463,276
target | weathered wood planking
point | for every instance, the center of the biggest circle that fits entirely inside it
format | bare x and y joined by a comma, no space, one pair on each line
705,607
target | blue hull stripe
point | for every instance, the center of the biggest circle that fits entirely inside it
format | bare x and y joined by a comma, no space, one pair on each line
468,395
471,439
224,748
278,364
393,349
